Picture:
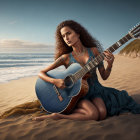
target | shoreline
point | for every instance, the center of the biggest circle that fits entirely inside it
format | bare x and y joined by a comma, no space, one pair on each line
14,80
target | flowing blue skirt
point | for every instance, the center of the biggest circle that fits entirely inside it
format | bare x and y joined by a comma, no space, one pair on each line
116,101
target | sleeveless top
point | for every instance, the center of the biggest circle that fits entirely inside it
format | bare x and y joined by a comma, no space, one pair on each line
116,101
91,56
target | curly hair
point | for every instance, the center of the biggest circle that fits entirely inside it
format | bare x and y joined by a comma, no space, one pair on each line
85,37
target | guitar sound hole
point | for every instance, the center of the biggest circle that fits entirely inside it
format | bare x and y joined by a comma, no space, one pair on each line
68,81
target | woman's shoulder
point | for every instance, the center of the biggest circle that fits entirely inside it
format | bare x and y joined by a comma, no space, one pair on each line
66,58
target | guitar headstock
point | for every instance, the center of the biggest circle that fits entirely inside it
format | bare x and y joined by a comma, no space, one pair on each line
135,31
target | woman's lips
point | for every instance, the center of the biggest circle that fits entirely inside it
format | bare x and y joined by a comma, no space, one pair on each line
68,42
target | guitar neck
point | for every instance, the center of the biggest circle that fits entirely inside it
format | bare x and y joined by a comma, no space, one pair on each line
97,60
119,43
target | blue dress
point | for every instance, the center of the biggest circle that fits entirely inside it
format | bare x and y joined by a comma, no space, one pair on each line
115,101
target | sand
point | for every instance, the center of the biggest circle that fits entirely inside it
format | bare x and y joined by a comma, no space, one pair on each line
125,76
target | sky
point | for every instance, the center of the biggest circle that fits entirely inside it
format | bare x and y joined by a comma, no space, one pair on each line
32,23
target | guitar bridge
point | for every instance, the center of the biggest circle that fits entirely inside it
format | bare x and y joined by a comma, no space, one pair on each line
58,93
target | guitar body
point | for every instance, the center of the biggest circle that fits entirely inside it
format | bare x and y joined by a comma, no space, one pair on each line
48,94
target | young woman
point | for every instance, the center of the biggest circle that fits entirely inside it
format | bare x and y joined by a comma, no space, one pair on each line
75,44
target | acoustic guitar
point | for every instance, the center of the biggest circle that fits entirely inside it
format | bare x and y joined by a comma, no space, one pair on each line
56,100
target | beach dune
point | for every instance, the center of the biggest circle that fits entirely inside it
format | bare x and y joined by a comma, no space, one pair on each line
125,76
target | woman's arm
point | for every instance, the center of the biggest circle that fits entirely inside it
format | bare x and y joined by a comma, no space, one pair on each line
58,82
110,59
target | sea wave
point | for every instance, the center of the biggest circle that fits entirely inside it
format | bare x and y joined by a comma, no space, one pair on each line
14,66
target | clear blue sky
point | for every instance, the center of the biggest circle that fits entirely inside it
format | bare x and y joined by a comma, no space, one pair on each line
36,20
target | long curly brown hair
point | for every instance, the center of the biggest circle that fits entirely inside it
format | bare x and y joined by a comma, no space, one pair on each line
85,37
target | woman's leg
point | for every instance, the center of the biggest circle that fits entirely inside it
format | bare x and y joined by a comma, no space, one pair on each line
85,111
100,105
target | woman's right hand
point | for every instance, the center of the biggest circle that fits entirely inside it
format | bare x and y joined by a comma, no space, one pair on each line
59,83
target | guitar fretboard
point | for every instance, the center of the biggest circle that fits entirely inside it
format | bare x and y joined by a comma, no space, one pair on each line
94,62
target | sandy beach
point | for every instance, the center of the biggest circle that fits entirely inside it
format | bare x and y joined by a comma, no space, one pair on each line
125,76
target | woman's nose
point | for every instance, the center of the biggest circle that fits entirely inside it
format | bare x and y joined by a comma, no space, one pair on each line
67,38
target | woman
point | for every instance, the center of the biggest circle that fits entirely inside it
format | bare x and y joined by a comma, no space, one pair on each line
75,44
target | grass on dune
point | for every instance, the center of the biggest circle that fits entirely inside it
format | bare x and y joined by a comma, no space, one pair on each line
134,46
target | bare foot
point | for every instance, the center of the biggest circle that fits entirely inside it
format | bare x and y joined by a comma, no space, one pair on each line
54,116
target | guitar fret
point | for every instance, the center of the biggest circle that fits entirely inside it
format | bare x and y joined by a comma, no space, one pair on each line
77,75
125,39
82,72
128,36
115,46
118,43
88,67
85,69
121,42
91,64
110,50
113,49
100,57
74,78
96,61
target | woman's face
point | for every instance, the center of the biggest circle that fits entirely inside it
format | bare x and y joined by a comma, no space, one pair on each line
69,36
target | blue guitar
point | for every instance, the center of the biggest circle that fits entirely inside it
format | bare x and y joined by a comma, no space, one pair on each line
54,99
58,100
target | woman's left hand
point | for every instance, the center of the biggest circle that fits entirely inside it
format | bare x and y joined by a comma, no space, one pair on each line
109,57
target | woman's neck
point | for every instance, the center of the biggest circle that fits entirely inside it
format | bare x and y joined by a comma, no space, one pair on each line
78,47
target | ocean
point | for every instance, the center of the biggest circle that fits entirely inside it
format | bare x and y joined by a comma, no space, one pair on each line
17,65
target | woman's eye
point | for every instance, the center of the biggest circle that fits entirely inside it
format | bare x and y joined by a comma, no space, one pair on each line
63,36
68,33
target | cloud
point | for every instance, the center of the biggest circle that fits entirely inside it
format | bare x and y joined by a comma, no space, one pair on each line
16,43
